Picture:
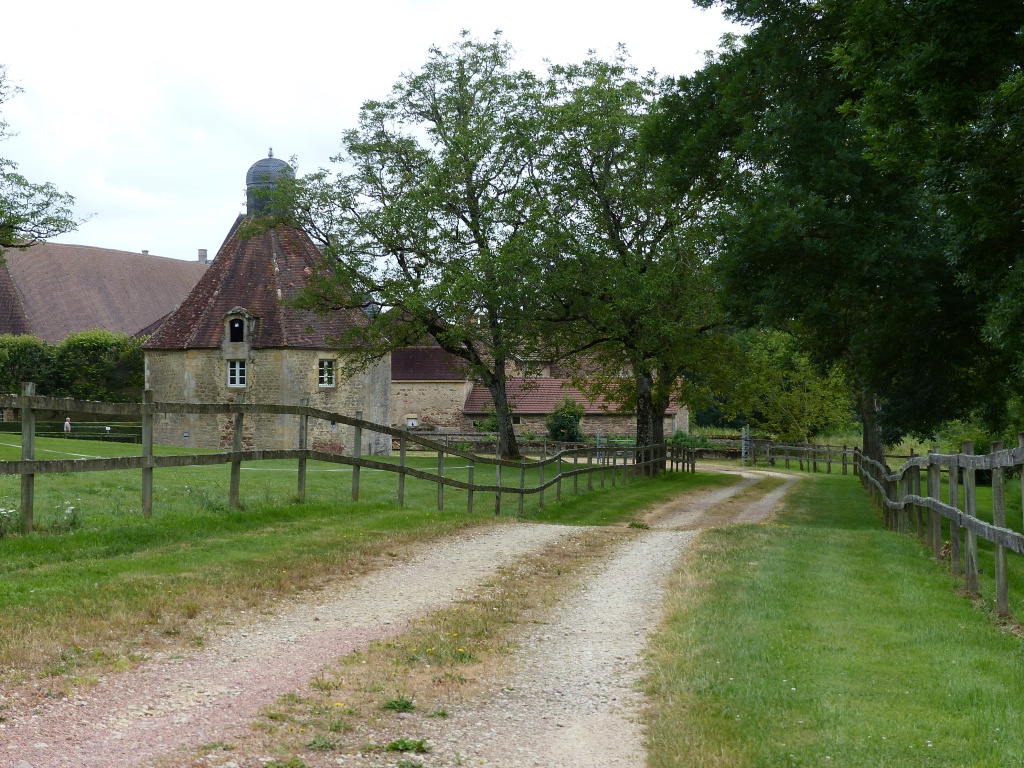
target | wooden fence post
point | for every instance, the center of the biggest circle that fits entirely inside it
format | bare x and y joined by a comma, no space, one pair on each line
497,494
970,537
999,519
541,501
558,479
828,459
954,526
575,466
604,464
522,485
915,488
401,470
357,451
934,482
28,453
469,493
440,481
236,447
615,458
303,444
1020,443
844,459
147,452
590,470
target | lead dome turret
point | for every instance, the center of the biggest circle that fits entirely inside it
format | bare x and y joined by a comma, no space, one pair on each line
264,175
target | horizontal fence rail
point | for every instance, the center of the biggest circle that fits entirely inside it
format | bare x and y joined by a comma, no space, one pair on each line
899,494
622,463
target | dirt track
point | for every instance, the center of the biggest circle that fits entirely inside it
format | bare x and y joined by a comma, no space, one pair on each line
569,700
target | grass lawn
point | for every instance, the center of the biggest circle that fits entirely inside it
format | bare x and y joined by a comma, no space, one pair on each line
822,639
100,583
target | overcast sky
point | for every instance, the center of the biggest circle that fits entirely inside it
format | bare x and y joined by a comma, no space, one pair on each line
150,114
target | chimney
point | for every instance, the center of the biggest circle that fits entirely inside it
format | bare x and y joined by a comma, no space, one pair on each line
202,256
145,252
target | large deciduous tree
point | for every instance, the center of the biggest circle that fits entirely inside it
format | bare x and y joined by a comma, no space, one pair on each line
939,94
28,212
429,225
814,239
624,257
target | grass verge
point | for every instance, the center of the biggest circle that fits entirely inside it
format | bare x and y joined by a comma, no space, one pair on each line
822,639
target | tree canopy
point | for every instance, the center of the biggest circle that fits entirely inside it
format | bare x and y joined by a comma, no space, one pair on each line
814,238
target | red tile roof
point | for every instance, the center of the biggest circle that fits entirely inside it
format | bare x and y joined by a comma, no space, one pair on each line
261,274
537,396
53,289
426,364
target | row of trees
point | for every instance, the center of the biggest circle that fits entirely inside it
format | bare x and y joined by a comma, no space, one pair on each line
89,365
507,216
861,162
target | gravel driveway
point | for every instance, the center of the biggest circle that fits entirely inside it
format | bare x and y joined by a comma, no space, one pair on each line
570,699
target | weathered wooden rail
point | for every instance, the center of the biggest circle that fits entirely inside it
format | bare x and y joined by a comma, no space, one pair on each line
808,457
587,462
900,497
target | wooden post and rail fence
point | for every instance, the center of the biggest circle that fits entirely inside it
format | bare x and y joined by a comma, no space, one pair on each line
905,508
635,460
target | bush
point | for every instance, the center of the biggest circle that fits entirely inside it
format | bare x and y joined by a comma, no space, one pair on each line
564,422
687,440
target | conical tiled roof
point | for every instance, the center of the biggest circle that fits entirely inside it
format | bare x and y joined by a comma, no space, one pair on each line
260,274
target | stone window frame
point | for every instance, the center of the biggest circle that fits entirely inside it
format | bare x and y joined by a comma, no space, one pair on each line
327,373
236,374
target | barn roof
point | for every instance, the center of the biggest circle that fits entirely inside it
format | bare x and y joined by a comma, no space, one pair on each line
540,396
426,363
54,289
261,274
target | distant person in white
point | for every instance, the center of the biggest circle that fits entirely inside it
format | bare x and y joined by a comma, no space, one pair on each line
67,426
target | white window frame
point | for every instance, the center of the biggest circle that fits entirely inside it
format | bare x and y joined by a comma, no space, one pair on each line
327,372
236,373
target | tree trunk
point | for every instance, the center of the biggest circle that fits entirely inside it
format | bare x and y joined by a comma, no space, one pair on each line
508,448
872,446
645,411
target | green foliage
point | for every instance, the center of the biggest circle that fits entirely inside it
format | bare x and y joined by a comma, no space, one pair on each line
399,704
89,365
406,744
99,365
488,423
25,358
687,440
563,423
628,253
784,393
814,238
431,222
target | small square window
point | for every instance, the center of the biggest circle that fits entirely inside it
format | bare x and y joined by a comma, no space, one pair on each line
236,373
517,419
325,373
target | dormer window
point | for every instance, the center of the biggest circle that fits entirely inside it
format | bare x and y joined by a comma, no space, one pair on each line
236,330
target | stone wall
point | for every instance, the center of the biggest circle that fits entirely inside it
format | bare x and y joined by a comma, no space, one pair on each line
435,403
619,425
273,376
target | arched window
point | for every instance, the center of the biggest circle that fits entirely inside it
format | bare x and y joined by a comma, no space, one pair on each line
236,330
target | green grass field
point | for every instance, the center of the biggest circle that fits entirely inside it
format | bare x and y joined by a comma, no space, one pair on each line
101,583
822,639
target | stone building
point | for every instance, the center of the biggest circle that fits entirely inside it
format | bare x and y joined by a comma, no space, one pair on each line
237,333
430,389
532,398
